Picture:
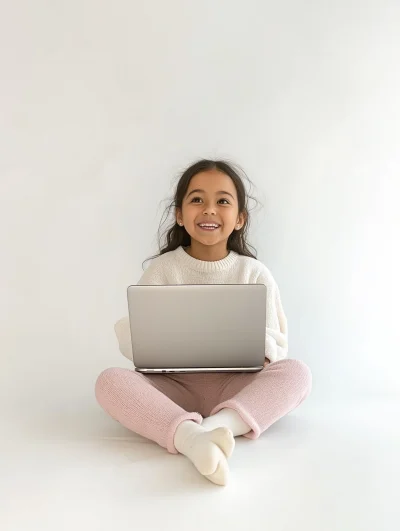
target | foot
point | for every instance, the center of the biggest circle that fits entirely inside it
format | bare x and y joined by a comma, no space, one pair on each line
208,450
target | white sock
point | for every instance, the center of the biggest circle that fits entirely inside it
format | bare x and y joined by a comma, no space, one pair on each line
228,418
208,450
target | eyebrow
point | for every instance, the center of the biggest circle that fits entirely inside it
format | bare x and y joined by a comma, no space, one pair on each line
202,191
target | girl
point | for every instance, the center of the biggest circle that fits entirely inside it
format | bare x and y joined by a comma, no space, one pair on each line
198,415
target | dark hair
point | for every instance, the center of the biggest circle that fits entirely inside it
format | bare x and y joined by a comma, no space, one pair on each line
177,235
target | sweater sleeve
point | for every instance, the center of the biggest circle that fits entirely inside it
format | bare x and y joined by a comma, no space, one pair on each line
153,275
276,335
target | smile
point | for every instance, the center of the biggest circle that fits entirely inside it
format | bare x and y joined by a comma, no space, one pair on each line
208,226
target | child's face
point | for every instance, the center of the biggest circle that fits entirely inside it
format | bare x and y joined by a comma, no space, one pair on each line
210,206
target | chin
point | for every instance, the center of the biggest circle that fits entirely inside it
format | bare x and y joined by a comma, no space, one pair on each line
208,243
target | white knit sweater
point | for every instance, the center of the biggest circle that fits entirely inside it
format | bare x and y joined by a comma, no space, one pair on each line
178,267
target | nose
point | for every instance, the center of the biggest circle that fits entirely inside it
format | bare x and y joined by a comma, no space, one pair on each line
209,209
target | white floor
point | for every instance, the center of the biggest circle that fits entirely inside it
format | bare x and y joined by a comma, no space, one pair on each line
326,469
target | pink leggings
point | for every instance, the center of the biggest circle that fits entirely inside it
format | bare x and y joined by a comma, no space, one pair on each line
154,405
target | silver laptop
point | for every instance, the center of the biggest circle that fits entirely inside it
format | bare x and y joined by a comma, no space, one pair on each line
198,327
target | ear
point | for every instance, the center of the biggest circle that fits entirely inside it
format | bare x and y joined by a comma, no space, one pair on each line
241,219
178,214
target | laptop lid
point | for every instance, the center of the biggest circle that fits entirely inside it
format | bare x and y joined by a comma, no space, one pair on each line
197,325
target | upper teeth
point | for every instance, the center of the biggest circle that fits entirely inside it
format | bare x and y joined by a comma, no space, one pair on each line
208,225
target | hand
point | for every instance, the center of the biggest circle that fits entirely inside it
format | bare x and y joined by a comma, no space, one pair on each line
266,362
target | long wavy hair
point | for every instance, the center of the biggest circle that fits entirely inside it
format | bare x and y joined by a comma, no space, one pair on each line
177,235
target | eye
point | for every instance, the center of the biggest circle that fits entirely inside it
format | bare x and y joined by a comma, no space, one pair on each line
227,202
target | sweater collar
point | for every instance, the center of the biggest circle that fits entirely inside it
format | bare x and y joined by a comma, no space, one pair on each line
203,265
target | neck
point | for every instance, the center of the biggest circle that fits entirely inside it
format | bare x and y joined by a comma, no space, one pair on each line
208,253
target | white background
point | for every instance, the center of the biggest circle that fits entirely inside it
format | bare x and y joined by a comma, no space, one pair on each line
103,105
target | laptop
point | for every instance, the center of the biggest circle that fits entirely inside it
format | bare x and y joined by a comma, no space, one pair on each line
191,328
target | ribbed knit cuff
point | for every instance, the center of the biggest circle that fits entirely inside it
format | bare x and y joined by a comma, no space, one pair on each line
196,417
